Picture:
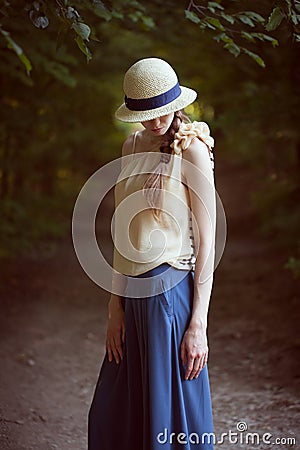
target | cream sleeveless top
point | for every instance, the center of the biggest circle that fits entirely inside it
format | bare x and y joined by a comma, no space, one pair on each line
141,242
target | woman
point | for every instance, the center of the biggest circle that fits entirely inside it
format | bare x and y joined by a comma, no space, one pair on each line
153,389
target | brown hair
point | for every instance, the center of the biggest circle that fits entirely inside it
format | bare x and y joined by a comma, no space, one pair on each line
154,184
179,117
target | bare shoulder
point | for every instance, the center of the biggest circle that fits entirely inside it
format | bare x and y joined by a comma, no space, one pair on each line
197,153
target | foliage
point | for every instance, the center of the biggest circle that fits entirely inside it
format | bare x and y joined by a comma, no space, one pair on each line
227,24
230,25
67,21
11,44
26,229
57,127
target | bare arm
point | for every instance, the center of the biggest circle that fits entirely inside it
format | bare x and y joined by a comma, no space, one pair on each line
116,318
198,173
119,284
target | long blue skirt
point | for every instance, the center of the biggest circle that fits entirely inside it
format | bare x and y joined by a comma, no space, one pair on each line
144,402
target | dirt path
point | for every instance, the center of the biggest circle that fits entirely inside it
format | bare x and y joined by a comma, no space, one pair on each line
53,325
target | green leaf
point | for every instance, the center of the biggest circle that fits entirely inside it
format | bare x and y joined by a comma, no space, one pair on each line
258,36
227,17
248,36
101,10
209,25
23,58
104,14
81,44
215,22
117,14
245,19
227,39
12,45
275,19
266,37
254,56
148,22
215,5
295,18
224,38
233,49
218,37
255,16
135,4
135,16
94,37
297,6
190,15
82,30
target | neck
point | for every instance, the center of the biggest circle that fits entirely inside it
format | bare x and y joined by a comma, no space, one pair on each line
151,140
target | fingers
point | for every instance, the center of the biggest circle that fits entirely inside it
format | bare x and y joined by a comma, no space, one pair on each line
114,346
108,347
112,350
194,366
192,369
117,349
202,363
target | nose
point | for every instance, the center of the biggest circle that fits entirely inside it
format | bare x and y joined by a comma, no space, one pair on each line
155,123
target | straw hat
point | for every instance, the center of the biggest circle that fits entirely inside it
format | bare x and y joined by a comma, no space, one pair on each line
152,90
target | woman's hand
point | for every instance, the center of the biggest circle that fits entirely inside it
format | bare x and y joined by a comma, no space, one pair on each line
115,335
194,351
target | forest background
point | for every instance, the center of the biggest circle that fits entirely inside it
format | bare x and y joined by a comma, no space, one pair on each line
61,71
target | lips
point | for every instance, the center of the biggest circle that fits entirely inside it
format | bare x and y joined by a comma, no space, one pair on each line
156,130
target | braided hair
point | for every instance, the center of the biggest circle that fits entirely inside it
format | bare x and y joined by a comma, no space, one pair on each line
153,186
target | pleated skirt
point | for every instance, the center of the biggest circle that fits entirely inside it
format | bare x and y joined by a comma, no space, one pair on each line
144,402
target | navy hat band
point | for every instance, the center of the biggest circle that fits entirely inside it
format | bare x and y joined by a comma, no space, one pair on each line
145,104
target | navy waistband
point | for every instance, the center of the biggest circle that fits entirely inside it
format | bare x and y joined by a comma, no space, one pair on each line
155,281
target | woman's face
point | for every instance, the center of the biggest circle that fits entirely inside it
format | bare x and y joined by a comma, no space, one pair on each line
158,126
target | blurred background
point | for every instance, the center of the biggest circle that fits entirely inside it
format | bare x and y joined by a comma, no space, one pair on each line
61,71
57,124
